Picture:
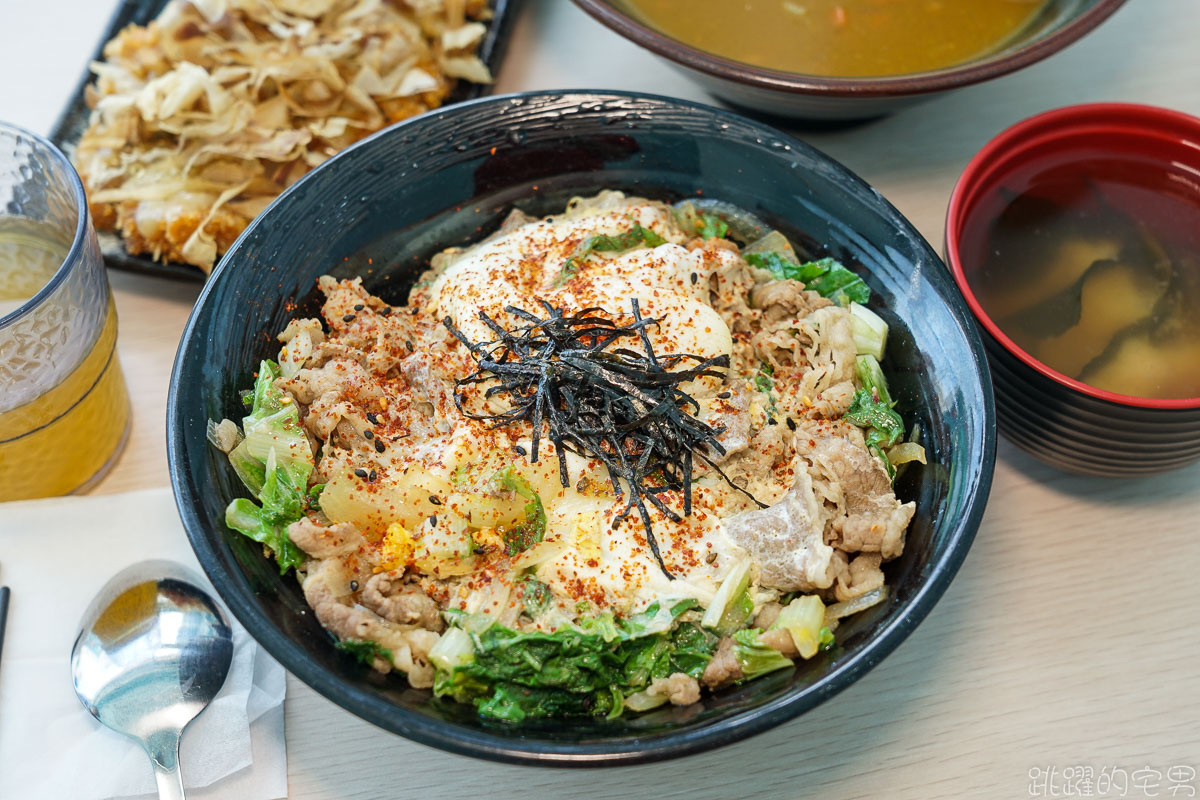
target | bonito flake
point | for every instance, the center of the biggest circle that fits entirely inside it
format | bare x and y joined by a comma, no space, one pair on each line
205,115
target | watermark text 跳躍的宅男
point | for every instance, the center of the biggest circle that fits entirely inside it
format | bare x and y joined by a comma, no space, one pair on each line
1086,780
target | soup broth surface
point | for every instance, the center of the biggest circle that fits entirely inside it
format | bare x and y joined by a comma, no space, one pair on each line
843,38
1093,267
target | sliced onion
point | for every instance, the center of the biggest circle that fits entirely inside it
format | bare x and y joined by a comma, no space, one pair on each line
542,551
508,617
491,600
224,435
773,242
905,452
453,649
644,701
854,605
446,568
734,583
743,226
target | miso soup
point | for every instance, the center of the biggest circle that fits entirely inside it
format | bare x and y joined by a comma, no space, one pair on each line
1093,268
841,38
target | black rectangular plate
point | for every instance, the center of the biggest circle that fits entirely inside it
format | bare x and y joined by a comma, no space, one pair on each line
73,120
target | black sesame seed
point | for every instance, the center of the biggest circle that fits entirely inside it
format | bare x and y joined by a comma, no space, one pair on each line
479,551
694,278
519,450
359,307
371,418
348,318
772,421
433,521
379,446
369,434
386,311
433,498
362,473
725,395
354,586
372,476
408,343
791,423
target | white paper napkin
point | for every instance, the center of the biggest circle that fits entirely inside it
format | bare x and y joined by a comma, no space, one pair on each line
56,555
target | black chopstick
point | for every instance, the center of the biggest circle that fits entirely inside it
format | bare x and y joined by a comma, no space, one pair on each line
3,612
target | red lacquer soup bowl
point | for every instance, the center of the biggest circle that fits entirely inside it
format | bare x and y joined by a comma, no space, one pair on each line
1143,165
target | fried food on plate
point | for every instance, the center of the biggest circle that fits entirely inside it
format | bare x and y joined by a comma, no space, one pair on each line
201,118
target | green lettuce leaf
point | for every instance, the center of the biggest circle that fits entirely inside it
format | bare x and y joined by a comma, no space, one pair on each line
655,618
365,651
755,657
764,379
536,595
867,410
827,277
691,649
585,670
274,461
694,222
602,625
826,639
884,427
870,375
525,535
871,408
711,227
637,235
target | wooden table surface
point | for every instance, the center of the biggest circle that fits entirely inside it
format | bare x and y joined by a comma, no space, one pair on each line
1068,641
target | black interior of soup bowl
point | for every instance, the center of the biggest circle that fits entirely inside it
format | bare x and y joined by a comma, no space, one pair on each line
383,207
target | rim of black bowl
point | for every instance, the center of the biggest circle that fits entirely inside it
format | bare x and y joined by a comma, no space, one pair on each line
993,160
220,565
994,65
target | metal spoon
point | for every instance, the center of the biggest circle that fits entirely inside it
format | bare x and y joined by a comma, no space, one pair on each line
152,651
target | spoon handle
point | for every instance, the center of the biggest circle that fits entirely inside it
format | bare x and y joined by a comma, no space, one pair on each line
163,749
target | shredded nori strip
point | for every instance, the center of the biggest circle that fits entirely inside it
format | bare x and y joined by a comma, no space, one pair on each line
620,406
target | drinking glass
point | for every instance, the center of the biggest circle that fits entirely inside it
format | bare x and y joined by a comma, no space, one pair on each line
64,408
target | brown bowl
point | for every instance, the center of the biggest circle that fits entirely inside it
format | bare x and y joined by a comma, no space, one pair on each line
800,96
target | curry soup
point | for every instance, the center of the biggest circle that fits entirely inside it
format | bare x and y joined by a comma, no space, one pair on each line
841,38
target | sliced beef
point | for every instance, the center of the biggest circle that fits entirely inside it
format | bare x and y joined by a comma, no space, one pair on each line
724,667
785,301
861,576
680,689
788,540
866,517
320,541
394,600
781,640
347,379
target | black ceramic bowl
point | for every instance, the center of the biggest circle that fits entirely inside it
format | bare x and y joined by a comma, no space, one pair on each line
792,94
1060,420
384,206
